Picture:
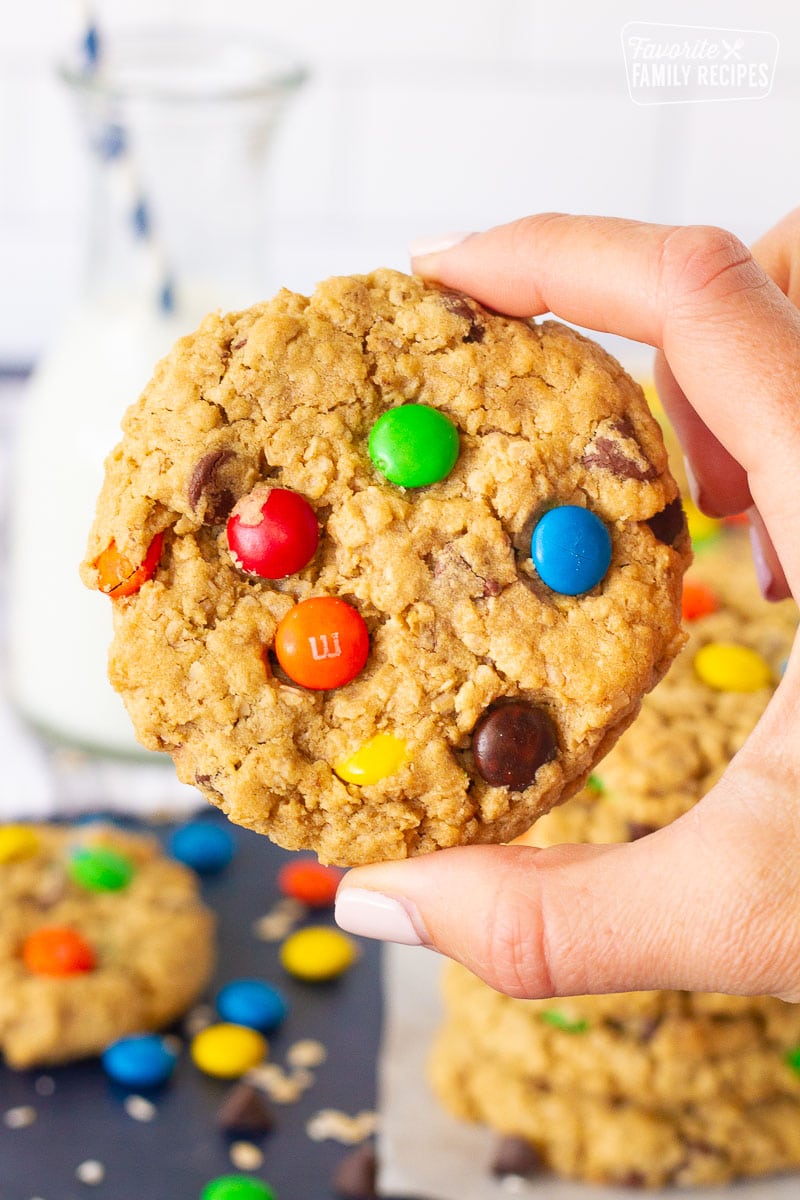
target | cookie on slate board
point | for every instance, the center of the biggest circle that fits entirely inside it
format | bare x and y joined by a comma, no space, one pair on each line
101,935
389,572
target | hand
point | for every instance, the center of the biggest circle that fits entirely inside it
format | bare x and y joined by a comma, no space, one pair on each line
711,902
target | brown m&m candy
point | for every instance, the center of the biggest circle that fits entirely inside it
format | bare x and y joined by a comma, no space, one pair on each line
510,742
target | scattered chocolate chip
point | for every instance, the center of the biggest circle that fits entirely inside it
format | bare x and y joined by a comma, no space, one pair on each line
354,1175
670,523
238,345
639,829
515,1156
459,305
614,448
203,480
510,742
244,1110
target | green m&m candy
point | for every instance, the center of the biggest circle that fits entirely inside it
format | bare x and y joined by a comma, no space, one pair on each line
236,1187
99,869
414,445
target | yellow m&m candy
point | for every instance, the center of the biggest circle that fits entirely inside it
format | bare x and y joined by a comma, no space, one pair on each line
729,667
17,841
227,1051
381,756
702,529
317,953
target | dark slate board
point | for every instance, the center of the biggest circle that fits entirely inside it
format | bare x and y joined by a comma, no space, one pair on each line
173,1156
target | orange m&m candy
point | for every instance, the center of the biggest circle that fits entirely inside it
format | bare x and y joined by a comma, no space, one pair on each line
118,576
322,643
697,600
57,950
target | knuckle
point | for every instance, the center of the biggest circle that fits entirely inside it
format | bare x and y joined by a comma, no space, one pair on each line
705,261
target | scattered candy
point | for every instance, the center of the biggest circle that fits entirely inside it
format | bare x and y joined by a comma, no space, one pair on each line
99,869
559,1020
571,549
90,1172
309,882
227,1051
317,953
253,1003
244,1110
118,576
729,667
511,741
272,532
331,1123
20,1117
236,1187
354,1175
139,1061
322,643
17,842
792,1059
413,445
202,845
308,1052
140,1109
703,530
380,757
57,950
697,600
246,1156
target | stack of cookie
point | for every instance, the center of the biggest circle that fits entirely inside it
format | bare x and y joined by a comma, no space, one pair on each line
649,1088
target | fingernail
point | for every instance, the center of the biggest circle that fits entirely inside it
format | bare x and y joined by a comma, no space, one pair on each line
373,915
763,567
419,247
691,479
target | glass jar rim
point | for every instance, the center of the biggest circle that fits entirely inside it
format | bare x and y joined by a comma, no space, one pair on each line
185,64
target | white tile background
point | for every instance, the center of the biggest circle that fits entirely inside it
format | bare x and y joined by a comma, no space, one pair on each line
422,116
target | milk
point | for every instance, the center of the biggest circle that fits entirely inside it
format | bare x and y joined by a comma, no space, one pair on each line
59,631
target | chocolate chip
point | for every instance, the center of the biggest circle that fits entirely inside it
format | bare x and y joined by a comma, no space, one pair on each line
457,304
244,1110
238,345
515,1156
639,829
670,523
510,742
203,480
614,448
354,1175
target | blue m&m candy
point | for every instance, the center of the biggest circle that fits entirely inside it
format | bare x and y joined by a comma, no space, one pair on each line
202,845
141,1061
253,1003
571,549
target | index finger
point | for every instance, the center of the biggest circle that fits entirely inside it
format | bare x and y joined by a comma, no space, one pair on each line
731,338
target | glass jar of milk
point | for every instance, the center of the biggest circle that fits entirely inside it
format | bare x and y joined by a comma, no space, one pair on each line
178,126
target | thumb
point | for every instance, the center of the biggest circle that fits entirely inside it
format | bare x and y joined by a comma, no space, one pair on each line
700,905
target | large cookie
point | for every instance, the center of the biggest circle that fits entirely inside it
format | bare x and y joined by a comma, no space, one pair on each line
497,655
81,966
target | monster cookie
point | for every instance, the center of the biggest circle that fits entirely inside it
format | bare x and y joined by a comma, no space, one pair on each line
100,935
389,572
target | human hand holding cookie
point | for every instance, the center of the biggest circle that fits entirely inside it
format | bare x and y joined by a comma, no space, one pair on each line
709,903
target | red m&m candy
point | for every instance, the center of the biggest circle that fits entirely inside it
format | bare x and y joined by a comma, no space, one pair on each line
322,643
272,532
57,950
117,576
310,882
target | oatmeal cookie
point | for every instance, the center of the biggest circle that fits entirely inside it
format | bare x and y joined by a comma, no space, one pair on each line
389,572
101,935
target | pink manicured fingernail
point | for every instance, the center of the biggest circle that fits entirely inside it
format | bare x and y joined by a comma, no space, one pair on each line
373,915
691,479
419,247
